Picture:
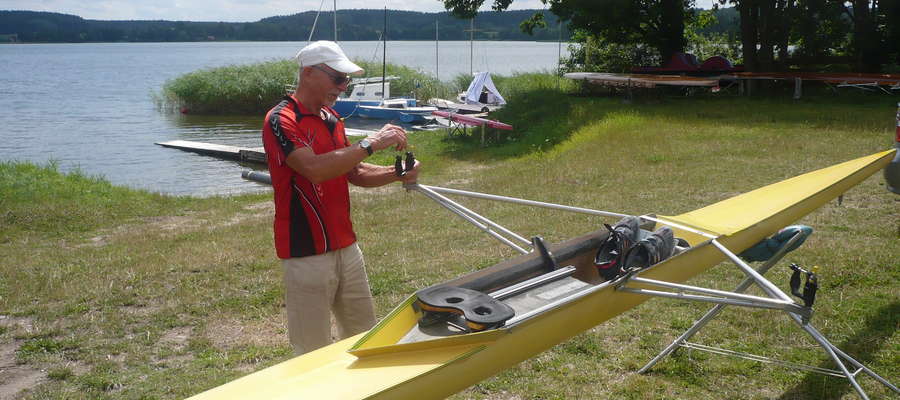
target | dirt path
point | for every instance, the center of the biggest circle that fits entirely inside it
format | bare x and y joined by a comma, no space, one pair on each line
14,378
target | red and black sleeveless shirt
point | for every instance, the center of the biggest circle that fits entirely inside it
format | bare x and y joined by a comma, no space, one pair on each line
309,218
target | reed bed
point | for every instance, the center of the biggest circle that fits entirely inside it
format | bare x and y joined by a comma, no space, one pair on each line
253,88
236,89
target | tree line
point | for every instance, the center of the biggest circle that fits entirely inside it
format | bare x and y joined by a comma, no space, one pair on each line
46,27
773,35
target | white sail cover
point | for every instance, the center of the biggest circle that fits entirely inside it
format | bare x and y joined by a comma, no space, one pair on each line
481,81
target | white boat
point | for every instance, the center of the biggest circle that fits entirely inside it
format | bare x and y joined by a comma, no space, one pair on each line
396,110
481,97
368,92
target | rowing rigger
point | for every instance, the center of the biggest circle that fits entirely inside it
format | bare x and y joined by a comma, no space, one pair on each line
777,300
551,292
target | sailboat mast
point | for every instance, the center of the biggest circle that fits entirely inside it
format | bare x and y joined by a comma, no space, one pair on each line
384,54
437,63
558,51
471,44
335,21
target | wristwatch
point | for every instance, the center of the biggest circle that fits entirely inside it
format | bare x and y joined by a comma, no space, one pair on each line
367,145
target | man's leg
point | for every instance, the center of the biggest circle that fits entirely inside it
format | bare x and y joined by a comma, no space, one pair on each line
354,308
309,288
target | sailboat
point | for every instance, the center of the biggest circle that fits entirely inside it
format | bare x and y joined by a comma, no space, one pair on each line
366,92
367,101
481,96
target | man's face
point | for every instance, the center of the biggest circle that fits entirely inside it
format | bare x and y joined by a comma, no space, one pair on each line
326,79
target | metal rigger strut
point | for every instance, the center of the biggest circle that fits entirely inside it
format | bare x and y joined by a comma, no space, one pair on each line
776,300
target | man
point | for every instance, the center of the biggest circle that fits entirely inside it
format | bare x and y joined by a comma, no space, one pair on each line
311,161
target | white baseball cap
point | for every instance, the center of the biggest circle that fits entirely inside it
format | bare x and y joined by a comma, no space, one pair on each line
328,53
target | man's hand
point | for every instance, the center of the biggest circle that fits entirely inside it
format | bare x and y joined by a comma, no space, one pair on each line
389,135
411,175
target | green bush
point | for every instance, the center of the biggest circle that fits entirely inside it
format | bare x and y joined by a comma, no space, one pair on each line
60,373
591,53
706,45
37,347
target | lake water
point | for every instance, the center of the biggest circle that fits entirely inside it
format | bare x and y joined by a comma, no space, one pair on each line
90,106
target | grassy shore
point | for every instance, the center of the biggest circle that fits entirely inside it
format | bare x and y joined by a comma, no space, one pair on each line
110,293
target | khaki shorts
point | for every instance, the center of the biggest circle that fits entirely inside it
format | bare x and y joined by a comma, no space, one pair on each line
317,286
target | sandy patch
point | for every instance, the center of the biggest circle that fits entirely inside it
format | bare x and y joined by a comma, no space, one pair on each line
373,191
17,323
231,333
14,378
267,212
173,224
464,175
265,206
141,310
179,224
174,341
177,338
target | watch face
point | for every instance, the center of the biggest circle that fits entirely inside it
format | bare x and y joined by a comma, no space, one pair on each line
365,144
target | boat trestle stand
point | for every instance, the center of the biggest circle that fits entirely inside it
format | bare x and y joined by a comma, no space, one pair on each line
777,300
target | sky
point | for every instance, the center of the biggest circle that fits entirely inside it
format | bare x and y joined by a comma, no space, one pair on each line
228,10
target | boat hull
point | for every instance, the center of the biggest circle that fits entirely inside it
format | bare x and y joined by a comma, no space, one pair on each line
407,115
380,365
347,107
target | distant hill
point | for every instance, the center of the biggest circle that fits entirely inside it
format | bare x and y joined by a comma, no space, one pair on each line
43,27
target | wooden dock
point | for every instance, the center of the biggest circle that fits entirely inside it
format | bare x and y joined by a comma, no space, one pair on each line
254,154
243,154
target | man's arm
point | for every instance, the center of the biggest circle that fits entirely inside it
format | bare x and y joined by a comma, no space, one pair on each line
370,175
322,167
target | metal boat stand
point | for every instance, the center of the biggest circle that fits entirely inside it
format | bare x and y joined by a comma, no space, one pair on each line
777,300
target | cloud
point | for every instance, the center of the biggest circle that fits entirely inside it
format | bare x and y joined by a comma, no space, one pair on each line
220,10
229,10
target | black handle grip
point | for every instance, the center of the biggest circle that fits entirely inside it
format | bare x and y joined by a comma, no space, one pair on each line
410,161
398,166
808,295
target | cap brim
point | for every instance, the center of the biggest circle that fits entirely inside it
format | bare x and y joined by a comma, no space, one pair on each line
345,66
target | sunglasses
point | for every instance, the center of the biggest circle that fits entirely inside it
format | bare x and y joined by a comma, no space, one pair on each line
338,79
